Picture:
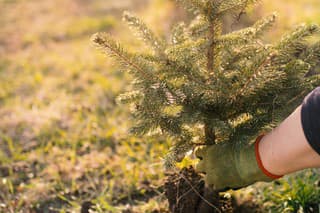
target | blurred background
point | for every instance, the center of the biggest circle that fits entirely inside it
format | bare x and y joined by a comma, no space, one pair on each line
64,144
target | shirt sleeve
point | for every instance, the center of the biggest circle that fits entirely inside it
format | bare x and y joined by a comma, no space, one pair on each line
310,118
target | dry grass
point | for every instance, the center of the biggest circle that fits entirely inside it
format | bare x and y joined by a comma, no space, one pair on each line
63,140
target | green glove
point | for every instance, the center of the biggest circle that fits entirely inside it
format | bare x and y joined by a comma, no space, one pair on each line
232,165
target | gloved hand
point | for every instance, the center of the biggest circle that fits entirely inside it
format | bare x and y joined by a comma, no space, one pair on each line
232,165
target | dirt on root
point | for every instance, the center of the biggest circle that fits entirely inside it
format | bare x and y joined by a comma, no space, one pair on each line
186,192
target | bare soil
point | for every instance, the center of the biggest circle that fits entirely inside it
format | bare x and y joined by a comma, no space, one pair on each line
186,192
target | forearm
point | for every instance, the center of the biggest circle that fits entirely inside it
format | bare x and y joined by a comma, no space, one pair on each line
286,149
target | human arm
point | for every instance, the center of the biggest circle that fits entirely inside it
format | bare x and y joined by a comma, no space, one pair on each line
290,147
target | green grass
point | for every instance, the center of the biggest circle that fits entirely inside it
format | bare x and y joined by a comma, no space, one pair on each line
63,139
299,192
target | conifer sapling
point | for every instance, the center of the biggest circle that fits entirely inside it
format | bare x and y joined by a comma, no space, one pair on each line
204,86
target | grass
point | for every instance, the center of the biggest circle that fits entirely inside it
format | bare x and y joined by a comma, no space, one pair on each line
299,192
63,140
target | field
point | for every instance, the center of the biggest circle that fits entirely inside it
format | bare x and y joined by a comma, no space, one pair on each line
64,141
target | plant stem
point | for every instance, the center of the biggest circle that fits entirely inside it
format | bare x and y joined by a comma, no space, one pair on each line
210,136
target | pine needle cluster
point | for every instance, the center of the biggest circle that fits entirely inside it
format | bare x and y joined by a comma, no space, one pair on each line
205,87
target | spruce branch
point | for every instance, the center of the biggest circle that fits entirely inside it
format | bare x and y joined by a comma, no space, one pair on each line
178,34
194,6
249,34
178,150
247,88
299,34
183,58
234,56
130,97
311,54
199,26
314,81
143,32
233,5
104,42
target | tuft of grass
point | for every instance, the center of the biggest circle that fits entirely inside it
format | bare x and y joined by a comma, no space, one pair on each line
299,192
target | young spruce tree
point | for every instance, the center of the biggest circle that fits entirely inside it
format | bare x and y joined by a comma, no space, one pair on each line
204,86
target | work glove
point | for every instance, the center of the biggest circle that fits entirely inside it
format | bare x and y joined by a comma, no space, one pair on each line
232,165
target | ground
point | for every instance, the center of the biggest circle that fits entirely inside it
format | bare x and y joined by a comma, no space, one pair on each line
64,142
